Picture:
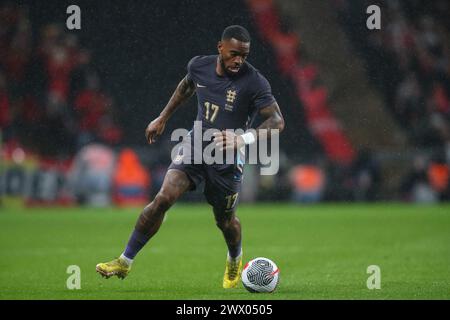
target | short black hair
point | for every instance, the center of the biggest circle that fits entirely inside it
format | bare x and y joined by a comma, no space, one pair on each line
237,32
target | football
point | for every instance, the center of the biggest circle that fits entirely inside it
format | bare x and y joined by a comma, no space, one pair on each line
260,275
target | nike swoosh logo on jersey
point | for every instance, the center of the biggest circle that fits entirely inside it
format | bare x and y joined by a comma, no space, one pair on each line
200,86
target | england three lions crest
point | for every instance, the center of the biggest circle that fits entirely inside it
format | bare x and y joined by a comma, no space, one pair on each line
230,97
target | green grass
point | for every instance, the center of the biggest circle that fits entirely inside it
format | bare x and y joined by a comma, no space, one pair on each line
322,251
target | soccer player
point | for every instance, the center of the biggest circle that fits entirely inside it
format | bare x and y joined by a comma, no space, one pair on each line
230,93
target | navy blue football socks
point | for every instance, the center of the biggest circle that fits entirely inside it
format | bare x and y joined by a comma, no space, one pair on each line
234,251
135,244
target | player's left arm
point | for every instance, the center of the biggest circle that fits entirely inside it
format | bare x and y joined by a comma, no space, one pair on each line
273,123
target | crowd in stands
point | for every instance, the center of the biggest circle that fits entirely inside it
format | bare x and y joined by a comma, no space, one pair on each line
51,99
52,104
409,60
305,78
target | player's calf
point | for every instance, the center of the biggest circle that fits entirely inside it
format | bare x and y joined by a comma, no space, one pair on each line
152,216
230,226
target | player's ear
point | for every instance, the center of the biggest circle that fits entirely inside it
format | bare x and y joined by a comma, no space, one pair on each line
219,47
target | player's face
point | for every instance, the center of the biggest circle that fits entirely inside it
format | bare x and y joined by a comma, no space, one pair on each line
232,54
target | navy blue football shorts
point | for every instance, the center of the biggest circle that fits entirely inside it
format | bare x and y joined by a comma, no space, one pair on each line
222,181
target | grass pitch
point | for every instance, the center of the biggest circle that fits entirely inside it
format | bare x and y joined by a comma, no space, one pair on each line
322,251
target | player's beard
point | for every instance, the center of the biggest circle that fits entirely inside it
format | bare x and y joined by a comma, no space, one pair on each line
224,68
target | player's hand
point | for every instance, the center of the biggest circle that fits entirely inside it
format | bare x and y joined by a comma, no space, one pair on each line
154,129
227,140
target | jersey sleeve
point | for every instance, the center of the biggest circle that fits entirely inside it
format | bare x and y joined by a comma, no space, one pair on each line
191,69
262,96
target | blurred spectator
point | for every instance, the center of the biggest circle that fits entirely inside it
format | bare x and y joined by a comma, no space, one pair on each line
409,103
415,186
366,177
90,104
308,183
91,175
131,181
439,176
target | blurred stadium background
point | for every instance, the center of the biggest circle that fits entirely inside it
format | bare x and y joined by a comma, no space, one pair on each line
367,120
367,111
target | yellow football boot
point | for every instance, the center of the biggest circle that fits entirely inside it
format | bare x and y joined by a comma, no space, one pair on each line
117,267
233,270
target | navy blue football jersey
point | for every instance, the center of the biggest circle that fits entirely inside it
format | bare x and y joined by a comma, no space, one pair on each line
228,102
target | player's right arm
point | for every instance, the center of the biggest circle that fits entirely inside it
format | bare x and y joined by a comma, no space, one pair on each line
183,92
